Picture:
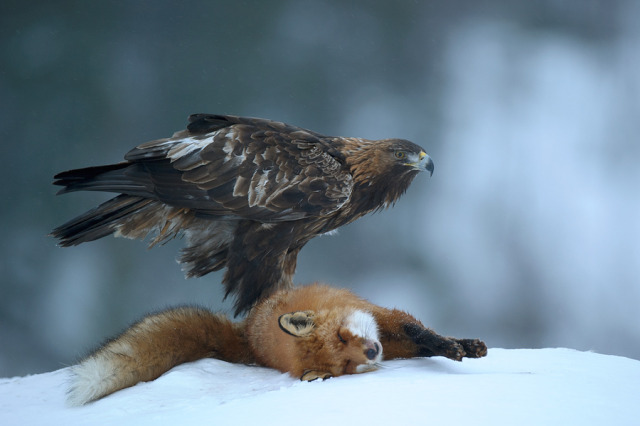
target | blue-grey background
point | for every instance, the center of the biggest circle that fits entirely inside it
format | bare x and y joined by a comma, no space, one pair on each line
527,235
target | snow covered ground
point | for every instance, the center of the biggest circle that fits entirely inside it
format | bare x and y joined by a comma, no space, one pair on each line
523,387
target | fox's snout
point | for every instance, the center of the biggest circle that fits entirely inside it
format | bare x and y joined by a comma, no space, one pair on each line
372,350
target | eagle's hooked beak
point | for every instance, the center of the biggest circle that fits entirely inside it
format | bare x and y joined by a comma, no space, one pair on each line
424,163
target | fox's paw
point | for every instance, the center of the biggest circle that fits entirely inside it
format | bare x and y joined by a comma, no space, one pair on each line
311,375
474,348
452,350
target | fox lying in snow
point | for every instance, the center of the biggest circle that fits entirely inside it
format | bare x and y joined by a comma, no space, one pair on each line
311,332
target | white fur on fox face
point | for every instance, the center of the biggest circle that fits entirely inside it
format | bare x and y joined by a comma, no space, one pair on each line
362,324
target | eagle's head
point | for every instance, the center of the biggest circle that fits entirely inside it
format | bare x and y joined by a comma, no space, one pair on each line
382,170
385,158
407,156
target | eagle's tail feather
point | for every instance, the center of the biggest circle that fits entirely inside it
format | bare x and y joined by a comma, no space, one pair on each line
125,215
137,217
123,177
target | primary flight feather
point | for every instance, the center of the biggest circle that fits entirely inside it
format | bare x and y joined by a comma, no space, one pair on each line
247,193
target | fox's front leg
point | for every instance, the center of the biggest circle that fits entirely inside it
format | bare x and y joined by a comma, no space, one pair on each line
311,375
403,336
429,343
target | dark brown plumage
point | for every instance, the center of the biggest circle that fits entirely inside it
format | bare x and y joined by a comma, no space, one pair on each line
247,193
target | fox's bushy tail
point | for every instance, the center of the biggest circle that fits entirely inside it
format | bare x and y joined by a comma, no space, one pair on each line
153,346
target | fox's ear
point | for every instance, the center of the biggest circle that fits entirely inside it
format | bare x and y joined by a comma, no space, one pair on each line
298,324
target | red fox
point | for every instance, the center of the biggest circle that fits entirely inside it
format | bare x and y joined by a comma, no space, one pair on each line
311,332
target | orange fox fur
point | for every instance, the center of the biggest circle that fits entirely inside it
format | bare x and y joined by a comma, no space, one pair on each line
310,332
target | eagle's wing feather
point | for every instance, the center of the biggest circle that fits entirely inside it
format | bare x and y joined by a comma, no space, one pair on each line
259,170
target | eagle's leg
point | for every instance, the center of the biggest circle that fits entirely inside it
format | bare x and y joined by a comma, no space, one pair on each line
251,281
260,261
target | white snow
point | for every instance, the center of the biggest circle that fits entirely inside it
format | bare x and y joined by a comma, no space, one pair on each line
508,387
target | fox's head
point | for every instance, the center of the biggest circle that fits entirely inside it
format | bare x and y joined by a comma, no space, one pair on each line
334,342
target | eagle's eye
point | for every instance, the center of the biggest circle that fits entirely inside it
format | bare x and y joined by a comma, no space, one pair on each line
400,155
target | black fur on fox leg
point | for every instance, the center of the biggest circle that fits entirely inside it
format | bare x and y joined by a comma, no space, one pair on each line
432,344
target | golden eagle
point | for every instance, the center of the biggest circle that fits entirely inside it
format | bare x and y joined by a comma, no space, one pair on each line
247,194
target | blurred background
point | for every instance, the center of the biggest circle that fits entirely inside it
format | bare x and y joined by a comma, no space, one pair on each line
527,235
